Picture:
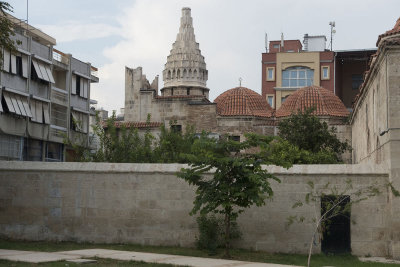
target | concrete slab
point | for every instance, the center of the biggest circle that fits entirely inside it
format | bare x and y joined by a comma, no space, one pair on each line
38,257
140,256
90,253
378,259
200,262
82,261
8,252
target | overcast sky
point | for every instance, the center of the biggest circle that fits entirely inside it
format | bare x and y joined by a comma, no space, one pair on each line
119,33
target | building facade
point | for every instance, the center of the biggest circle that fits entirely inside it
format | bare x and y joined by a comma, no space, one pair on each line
288,66
45,98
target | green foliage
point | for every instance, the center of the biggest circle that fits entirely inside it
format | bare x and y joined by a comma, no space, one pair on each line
314,142
211,234
172,144
6,30
237,183
122,144
282,152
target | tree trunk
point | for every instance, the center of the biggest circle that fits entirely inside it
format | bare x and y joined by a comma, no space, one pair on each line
310,252
227,234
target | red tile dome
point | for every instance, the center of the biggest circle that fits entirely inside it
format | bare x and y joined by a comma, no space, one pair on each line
325,102
241,101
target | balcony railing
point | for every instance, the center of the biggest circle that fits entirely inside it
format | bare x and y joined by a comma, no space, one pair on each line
94,71
60,57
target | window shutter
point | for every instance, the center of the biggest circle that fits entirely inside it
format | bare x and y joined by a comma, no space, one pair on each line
33,109
39,112
46,113
85,88
51,79
26,106
13,64
6,61
73,85
44,72
24,66
21,106
37,69
82,88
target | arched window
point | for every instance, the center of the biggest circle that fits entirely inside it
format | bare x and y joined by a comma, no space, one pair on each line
184,73
297,77
190,74
169,74
178,74
195,74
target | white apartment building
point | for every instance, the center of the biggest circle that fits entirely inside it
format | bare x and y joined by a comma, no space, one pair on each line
45,98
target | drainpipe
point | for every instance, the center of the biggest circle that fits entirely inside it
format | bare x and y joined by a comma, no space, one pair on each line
334,73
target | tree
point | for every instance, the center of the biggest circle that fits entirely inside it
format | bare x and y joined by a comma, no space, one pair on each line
122,144
340,202
238,181
6,30
172,144
307,132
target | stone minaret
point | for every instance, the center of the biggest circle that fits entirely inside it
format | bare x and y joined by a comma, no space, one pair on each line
185,72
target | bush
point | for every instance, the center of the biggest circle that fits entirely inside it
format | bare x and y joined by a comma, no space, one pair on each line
211,235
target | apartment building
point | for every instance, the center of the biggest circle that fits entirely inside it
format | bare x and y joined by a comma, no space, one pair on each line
45,98
289,66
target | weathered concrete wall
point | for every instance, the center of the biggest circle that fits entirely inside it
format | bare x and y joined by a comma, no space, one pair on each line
148,204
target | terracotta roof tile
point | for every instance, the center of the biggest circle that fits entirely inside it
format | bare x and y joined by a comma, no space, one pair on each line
134,124
241,101
325,102
180,96
395,30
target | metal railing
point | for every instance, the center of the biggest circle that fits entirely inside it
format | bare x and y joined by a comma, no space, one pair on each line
60,57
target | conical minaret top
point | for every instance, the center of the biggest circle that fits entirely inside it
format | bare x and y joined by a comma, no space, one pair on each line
185,72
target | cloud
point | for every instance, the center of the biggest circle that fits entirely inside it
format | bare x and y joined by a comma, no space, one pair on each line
79,30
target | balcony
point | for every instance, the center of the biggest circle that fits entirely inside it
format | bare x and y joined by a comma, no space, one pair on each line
60,59
59,96
94,77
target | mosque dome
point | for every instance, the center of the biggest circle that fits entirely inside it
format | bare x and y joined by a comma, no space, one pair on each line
241,101
323,100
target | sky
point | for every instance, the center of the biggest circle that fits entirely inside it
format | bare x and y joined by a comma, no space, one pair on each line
231,34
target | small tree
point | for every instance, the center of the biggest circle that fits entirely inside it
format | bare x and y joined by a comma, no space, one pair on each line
6,30
237,181
172,144
340,202
307,132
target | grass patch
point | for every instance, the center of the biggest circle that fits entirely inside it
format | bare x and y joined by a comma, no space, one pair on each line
345,260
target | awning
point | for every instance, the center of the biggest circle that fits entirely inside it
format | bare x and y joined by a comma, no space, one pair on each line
41,113
17,104
43,71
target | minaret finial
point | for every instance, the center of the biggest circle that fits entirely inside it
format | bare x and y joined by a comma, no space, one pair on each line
240,82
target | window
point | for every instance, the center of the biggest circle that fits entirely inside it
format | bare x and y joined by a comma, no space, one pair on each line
356,81
276,45
234,138
41,71
176,128
59,115
40,111
16,104
54,152
271,101
325,73
283,99
270,74
297,77
11,147
33,150
15,64
80,86
79,122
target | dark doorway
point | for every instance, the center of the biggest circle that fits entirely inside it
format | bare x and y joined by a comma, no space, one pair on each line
336,231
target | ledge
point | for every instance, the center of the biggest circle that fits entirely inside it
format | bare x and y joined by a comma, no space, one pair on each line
333,169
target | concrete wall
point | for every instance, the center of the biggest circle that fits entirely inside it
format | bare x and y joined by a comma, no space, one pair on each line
148,204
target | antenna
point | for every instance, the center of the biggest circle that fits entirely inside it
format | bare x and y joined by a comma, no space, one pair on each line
333,31
266,42
240,82
27,11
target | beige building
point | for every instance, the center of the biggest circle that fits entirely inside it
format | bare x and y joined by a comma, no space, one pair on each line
45,97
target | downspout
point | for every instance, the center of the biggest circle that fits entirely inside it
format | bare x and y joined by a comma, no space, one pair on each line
334,74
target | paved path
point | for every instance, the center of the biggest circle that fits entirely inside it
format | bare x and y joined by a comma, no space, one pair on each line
37,257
